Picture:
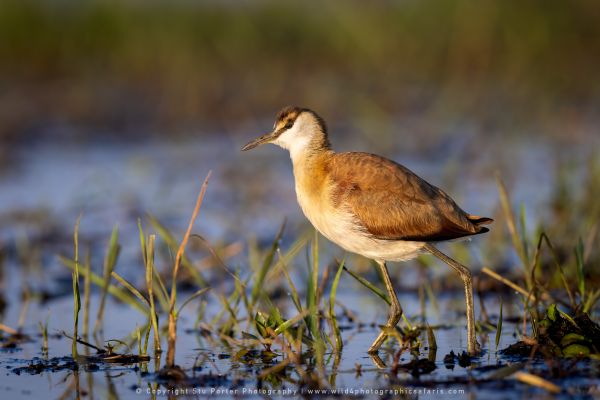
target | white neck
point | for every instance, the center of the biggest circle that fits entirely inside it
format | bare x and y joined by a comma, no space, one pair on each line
299,149
300,140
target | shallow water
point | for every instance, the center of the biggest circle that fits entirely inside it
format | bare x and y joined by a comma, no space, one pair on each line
215,371
253,191
49,184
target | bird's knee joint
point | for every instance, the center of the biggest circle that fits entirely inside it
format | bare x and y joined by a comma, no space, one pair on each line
466,274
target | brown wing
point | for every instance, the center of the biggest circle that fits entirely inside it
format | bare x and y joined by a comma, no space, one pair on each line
393,203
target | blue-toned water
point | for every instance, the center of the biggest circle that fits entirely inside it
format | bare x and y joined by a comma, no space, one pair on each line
47,185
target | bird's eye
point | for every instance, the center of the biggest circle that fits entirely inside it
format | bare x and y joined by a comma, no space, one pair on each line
289,124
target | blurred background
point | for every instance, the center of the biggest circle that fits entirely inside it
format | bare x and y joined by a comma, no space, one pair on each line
117,108
133,69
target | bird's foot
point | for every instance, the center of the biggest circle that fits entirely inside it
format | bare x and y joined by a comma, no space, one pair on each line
474,349
377,360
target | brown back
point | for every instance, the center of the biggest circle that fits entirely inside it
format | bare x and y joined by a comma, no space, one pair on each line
393,203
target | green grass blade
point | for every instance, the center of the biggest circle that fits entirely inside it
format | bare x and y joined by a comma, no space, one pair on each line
233,318
147,337
131,288
173,246
523,234
336,330
579,251
86,295
311,292
262,273
161,293
313,303
240,289
559,268
109,264
499,327
511,225
431,297
431,342
191,297
369,286
142,241
290,322
291,253
315,268
148,250
76,297
116,292
294,293
592,298
139,340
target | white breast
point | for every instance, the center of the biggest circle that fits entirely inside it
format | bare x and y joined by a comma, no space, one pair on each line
341,227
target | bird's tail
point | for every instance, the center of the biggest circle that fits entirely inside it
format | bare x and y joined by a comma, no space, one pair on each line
478,221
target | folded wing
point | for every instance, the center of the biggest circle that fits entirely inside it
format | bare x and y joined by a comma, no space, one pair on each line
390,202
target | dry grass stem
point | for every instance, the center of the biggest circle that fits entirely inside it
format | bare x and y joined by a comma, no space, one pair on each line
172,331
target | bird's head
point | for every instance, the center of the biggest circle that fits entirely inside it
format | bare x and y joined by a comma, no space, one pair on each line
297,130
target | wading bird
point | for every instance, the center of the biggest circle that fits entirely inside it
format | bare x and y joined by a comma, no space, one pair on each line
371,206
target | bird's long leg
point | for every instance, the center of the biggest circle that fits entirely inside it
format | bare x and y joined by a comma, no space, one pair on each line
395,309
472,346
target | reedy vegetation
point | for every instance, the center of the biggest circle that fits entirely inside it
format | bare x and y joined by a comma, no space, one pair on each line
252,317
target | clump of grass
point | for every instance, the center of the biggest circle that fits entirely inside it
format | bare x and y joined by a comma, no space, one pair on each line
551,326
303,339
146,305
306,328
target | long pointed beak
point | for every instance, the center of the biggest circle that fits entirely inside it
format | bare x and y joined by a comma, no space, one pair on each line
266,138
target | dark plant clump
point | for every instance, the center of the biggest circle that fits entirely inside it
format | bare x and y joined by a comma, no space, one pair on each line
560,336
